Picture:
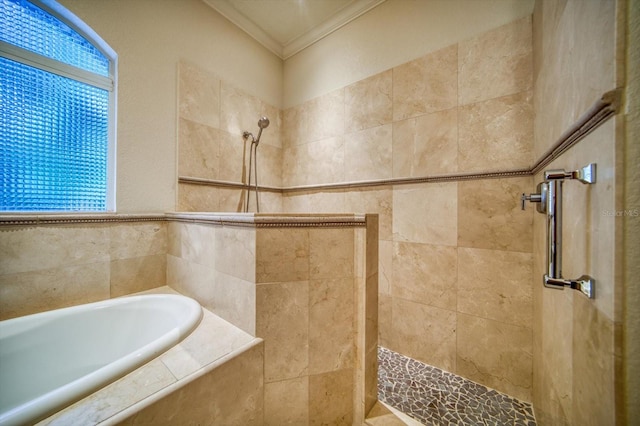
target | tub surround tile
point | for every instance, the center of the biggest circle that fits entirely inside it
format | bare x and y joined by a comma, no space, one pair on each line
198,95
197,244
496,285
369,103
426,145
232,392
496,63
30,249
490,216
129,240
236,252
286,402
137,274
38,291
426,85
425,273
283,322
221,363
278,247
496,132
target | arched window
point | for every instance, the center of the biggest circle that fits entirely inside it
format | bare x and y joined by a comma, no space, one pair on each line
57,111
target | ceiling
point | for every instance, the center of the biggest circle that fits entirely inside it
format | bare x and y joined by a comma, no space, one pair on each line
287,26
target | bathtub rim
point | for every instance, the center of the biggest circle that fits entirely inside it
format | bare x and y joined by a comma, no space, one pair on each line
76,390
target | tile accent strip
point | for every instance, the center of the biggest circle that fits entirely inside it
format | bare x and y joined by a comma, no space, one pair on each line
436,397
253,220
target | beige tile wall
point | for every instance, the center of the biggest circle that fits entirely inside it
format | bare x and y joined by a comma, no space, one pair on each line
55,266
212,116
575,346
455,258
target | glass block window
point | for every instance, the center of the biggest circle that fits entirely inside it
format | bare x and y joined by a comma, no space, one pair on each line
56,114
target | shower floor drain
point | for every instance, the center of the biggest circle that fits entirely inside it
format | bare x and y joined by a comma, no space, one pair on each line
436,397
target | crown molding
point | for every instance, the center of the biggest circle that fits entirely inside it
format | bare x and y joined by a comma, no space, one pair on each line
290,48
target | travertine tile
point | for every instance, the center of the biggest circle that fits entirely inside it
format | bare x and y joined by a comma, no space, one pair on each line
331,253
425,333
377,200
198,150
330,201
282,255
232,394
426,213
319,118
495,284
331,325
490,215
211,340
426,145
425,273
282,320
287,402
137,239
594,387
197,198
495,133
496,63
385,330
368,154
39,248
193,280
368,102
198,95
426,85
234,158
197,244
316,162
140,384
331,398
385,266
234,300
496,354
240,112
38,291
269,166
236,252
137,274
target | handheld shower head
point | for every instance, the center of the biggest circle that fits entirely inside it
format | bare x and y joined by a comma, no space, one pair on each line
263,123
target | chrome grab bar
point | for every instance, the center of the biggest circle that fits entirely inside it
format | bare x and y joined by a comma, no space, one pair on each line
549,199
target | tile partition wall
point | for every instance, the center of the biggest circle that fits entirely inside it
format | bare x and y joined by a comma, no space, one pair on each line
307,286
44,266
455,256
577,343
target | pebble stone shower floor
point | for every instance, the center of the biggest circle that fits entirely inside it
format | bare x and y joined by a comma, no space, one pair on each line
436,397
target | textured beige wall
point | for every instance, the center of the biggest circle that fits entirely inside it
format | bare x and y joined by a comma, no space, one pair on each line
393,33
150,37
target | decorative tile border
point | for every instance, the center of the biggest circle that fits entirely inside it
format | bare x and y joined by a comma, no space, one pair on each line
436,397
251,220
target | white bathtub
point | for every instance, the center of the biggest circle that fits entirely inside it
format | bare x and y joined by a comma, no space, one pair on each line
51,359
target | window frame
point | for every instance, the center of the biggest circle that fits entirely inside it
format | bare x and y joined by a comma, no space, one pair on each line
54,66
